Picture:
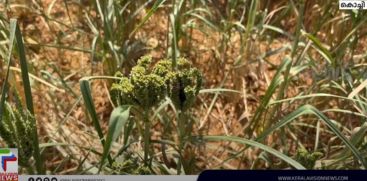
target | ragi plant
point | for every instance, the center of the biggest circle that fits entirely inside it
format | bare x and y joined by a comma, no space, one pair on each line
183,85
18,126
306,158
16,130
148,85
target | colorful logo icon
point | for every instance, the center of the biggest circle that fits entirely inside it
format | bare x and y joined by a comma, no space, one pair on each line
8,164
6,156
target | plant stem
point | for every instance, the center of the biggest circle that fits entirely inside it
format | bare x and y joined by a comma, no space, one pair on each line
181,136
30,170
37,154
146,138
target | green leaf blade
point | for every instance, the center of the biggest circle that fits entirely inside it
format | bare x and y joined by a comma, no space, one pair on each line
268,149
308,109
118,119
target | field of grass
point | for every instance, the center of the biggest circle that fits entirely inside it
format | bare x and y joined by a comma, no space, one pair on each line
180,86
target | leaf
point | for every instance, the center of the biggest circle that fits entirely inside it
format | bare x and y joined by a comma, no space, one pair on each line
215,90
206,21
321,49
268,149
16,33
5,87
24,68
118,119
358,89
308,109
156,5
278,30
88,101
316,95
276,81
356,139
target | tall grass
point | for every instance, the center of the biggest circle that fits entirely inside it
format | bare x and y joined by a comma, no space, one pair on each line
325,52
120,22
16,36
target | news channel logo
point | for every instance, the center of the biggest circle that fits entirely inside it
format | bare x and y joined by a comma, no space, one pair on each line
9,164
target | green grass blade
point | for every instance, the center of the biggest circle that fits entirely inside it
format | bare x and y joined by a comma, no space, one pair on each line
268,94
28,94
320,48
278,30
251,17
24,68
356,139
156,5
86,93
268,149
215,90
174,45
118,119
206,21
308,109
88,101
5,87
360,134
314,96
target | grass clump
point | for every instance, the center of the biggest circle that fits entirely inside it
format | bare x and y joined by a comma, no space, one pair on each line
16,130
129,164
283,74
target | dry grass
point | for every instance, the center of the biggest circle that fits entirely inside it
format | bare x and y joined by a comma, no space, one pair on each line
59,40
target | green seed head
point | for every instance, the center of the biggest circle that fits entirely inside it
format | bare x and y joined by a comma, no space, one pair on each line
23,123
124,89
143,88
307,159
149,90
16,130
163,68
185,85
182,63
145,61
6,133
148,85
